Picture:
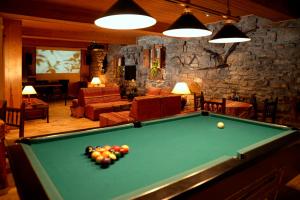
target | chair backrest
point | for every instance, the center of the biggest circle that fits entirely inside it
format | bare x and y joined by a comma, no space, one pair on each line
198,98
15,118
254,106
270,108
213,106
3,104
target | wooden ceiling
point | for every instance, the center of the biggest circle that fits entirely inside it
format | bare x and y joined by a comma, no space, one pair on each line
73,20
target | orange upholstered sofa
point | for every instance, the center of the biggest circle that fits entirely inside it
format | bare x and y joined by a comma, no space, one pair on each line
93,101
144,108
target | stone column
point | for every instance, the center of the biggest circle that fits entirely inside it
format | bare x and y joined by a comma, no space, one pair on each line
97,57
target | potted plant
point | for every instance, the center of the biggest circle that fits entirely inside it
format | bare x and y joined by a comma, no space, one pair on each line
154,68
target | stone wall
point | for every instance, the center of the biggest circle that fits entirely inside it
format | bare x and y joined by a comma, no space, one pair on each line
268,65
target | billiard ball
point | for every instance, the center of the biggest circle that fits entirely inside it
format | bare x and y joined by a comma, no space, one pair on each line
89,150
112,156
105,154
118,154
95,154
123,151
107,147
105,162
99,159
116,148
125,147
220,125
100,149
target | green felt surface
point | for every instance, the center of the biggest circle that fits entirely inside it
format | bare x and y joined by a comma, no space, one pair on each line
158,151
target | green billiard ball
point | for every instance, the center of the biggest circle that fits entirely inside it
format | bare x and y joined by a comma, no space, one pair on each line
118,154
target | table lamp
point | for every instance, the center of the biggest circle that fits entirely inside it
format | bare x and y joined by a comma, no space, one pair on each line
96,82
28,90
182,89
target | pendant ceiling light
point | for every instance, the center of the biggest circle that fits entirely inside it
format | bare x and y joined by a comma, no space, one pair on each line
187,25
229,33
125,14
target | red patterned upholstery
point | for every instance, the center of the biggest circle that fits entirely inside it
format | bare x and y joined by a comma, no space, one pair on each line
97,100
144,108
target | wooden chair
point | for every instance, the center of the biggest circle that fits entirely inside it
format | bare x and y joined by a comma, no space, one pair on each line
197,99
3,104
15,118
254,107
270,108
213,106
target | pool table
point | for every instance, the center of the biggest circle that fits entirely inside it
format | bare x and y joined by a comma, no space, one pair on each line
168,158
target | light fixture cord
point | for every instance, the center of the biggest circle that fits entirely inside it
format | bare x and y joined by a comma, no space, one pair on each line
228,8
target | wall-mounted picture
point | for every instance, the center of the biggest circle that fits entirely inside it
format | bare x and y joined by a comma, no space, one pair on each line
52,61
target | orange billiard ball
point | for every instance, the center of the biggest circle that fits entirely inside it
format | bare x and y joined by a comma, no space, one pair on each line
126,147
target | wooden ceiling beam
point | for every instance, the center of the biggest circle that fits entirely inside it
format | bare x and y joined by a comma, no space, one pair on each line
81,36
43,9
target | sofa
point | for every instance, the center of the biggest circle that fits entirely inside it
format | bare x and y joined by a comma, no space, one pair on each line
144,108
154,91
96,100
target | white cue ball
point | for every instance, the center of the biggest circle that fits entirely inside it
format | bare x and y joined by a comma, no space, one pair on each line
220,125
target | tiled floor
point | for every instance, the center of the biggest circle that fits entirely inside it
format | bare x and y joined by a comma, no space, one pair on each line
60,121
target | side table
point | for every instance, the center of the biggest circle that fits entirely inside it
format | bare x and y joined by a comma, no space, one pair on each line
36,109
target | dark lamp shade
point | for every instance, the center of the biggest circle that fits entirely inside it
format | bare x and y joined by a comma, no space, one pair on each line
229,34
125,15
187,25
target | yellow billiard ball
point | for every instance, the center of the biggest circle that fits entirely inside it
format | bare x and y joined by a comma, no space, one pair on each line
220,125
95,154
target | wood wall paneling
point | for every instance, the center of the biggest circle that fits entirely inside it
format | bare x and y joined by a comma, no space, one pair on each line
13,62
2,74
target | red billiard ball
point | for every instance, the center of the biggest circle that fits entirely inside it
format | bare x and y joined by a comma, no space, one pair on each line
123,151
116,148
